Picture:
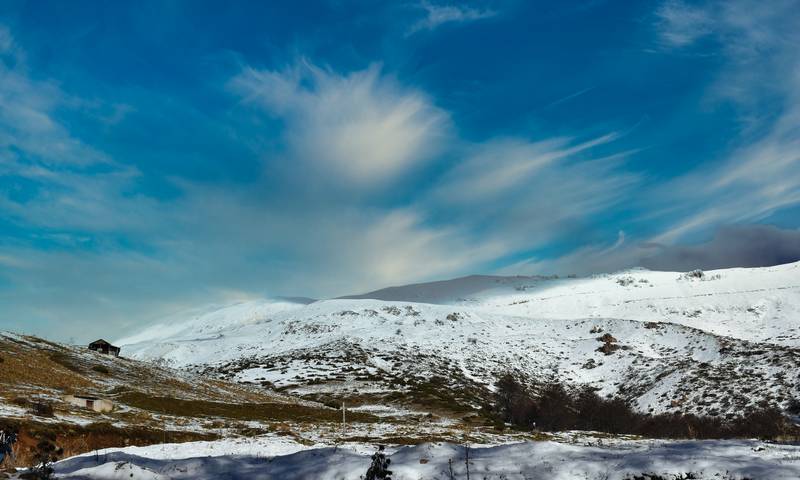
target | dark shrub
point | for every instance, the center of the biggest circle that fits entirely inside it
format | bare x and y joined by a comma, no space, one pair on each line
554,407
101,369
766,422
45,455
42,409
607,348
607,338
514,404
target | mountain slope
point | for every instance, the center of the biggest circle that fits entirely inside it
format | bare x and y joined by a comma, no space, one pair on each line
732,343
756,304
447,292
211,321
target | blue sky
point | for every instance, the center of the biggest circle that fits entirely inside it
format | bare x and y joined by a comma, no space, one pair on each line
157,156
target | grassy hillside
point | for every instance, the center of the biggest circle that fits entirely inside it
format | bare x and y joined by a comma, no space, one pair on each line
152,404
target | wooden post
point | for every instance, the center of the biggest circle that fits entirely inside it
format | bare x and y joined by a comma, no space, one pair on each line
466,455
344,420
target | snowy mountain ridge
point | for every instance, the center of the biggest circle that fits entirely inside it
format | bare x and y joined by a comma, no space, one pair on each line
715,342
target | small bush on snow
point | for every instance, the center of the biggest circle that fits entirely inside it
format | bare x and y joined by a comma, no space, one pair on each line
699,275
625,281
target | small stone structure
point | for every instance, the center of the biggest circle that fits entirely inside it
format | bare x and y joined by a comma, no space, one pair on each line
100,405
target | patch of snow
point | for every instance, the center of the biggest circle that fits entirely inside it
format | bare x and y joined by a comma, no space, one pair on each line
623,460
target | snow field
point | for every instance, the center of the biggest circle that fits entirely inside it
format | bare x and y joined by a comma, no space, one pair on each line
520,461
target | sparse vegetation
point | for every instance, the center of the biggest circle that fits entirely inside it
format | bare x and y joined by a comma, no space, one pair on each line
794,406
626,281
607,338
698,275
65,361
609,344
551,406
37,373
44,455
76,439
41,409
245,411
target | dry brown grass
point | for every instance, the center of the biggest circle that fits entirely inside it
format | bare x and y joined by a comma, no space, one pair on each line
267,412
28,366
32,365
146,395
75,440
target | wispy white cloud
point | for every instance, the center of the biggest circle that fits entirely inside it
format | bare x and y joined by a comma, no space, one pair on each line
26,115
437,15
585,260
362,128
501,195
76,186
524,195
681,24
754,182
504,165
569,97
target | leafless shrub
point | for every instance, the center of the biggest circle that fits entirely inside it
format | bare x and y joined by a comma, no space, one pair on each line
41,409
552,406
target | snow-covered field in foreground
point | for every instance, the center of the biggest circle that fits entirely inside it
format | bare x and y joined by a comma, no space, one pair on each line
276,458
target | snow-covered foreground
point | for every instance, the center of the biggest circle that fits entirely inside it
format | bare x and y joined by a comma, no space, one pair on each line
281,459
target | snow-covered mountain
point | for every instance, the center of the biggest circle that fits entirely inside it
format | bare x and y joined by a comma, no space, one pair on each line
714,342
757,304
